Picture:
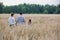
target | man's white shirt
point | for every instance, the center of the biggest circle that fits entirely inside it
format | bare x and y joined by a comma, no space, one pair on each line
11,20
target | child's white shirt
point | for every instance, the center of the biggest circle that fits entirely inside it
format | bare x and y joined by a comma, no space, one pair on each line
11,20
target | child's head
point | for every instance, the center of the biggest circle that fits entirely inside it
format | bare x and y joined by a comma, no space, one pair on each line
12,15
29,20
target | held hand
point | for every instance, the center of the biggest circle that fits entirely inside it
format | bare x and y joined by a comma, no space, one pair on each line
16,24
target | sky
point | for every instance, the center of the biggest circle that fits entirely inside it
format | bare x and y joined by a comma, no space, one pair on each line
41,2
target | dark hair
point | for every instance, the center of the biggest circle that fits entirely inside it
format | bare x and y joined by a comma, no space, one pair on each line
12,14
29,20
20,13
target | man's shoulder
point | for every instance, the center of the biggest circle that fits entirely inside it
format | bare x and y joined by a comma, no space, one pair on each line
21,17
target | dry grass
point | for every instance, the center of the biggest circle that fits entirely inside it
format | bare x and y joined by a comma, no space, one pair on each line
43,27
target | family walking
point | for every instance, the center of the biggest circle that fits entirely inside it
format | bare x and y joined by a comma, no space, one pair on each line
19,20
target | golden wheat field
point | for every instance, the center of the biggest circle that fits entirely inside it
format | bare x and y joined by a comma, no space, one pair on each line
43,27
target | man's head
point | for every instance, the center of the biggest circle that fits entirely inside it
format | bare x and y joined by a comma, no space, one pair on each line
20,13
12,15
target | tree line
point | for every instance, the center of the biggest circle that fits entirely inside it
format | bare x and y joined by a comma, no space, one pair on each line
30,8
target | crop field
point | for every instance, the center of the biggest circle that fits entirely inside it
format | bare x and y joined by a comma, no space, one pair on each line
43,27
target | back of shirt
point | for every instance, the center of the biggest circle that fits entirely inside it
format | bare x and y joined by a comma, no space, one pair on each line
11,20
20,19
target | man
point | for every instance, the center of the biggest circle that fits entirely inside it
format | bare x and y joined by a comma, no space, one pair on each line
20,19
11,20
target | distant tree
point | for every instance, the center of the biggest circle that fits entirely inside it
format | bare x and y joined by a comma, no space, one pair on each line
45,11
1,7
50,8
31,8
58,9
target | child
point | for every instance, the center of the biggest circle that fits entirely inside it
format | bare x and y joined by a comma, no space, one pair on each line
29,22
11,20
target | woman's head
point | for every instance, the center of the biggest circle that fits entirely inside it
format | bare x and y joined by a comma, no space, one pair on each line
12,15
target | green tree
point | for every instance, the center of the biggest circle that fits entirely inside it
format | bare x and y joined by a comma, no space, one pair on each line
58,9
1,7
31,8
45,11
